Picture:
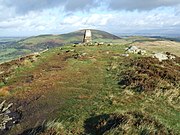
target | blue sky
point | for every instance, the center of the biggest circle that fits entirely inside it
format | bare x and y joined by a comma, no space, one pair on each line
35,17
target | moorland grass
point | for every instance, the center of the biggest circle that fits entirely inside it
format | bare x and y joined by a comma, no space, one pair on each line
68,91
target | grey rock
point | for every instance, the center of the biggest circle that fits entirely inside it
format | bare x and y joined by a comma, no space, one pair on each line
160,56
125,55
135,50
101,43
7,117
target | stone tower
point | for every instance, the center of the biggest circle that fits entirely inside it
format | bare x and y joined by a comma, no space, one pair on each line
87,36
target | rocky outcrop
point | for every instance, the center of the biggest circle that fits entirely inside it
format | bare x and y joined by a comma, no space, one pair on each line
162,56
135,50
7,117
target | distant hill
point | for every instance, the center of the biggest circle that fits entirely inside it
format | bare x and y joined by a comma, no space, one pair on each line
96,35
49,41
13,49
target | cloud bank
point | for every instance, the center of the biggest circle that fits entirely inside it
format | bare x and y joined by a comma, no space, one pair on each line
25,6
141,4
34,17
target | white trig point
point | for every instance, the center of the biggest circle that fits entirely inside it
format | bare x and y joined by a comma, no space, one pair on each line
87,36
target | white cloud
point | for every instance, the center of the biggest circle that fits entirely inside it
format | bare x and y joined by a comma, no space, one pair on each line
89,20
57,20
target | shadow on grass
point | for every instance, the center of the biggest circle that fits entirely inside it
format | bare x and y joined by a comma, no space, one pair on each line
126,123
100,124
34,131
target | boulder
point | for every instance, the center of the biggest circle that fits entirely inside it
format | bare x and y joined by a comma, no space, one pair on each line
171,57
101,43
135,50
7,117
125,55
142,52
96,44
160,56
132,49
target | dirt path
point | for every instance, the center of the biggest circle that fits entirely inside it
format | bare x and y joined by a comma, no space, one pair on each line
41,92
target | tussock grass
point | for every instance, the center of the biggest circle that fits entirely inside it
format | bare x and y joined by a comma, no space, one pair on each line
148,74
76,90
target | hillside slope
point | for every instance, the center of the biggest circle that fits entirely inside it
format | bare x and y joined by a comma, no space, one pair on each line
44,41
93,90
15,49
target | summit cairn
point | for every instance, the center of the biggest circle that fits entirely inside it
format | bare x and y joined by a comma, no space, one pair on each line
87,36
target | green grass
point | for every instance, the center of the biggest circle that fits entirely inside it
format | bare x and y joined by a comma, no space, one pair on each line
83,88
110,99
6,51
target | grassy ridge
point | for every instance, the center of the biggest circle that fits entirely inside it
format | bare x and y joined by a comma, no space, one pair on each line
73,87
